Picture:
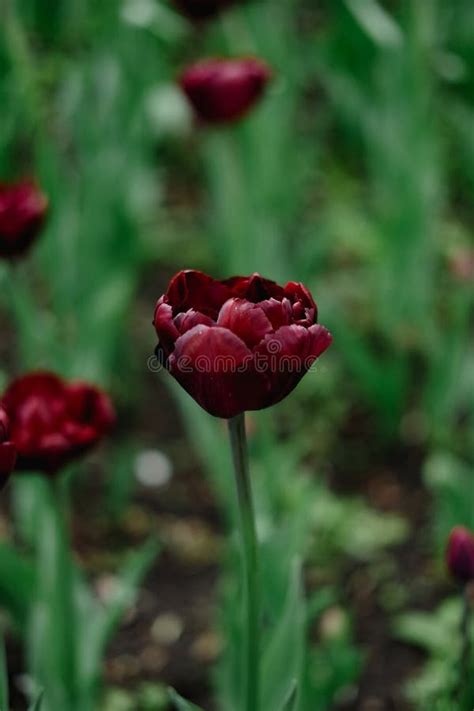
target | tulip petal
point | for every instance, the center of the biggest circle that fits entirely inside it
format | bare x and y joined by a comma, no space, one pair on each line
186,321
460,554
223,90
288,354
279,313
254,288
165,327
52,422
192,289
89,407
304,309
296,291
23,209
246,320
217,370
39,382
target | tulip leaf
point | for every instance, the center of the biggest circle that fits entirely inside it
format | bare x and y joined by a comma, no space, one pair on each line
181,704
98,623
280,669
377,23
290,702
129,578
4,704
36,705
17,583
53,625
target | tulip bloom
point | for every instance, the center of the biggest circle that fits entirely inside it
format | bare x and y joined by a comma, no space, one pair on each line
239,344
7,449
23,209
224,90
53,422
201,9
460,554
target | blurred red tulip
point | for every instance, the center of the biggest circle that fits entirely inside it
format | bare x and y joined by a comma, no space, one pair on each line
201,9
7,449
461,265
23,209
460,554
53,422
239,344
224,90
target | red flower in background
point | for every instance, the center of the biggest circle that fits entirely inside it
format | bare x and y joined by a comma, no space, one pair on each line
460,554
201,9
23,209
239,344
53,422
223,90
7,449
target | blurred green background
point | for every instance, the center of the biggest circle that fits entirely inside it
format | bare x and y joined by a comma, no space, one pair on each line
353,175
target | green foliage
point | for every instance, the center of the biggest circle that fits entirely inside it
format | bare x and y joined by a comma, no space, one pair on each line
17,583
65,627
437,633
348,525
180,703
4,704
279,672
450,481
37,705
147,697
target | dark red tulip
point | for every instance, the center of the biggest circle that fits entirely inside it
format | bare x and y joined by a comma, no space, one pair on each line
7,449
201,9
460,554
239,344
23,209
223,90
53,422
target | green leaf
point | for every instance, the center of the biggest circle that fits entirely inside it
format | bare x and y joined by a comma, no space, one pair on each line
98,623
53,626
36,705
4,704
30,494
279,668
17,585
181,704
290,703
130,577
378,24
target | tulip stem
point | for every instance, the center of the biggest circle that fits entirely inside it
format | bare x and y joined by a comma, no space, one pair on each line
465,656
249,561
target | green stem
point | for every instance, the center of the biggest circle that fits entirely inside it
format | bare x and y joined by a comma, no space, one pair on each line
465,656
54,661
16,282
250,561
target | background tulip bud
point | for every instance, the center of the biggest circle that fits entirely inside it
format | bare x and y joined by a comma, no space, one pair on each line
239,344
23,210
460,554
7,449
224,90
53,422
201,9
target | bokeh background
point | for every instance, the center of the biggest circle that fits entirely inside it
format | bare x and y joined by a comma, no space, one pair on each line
355,175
